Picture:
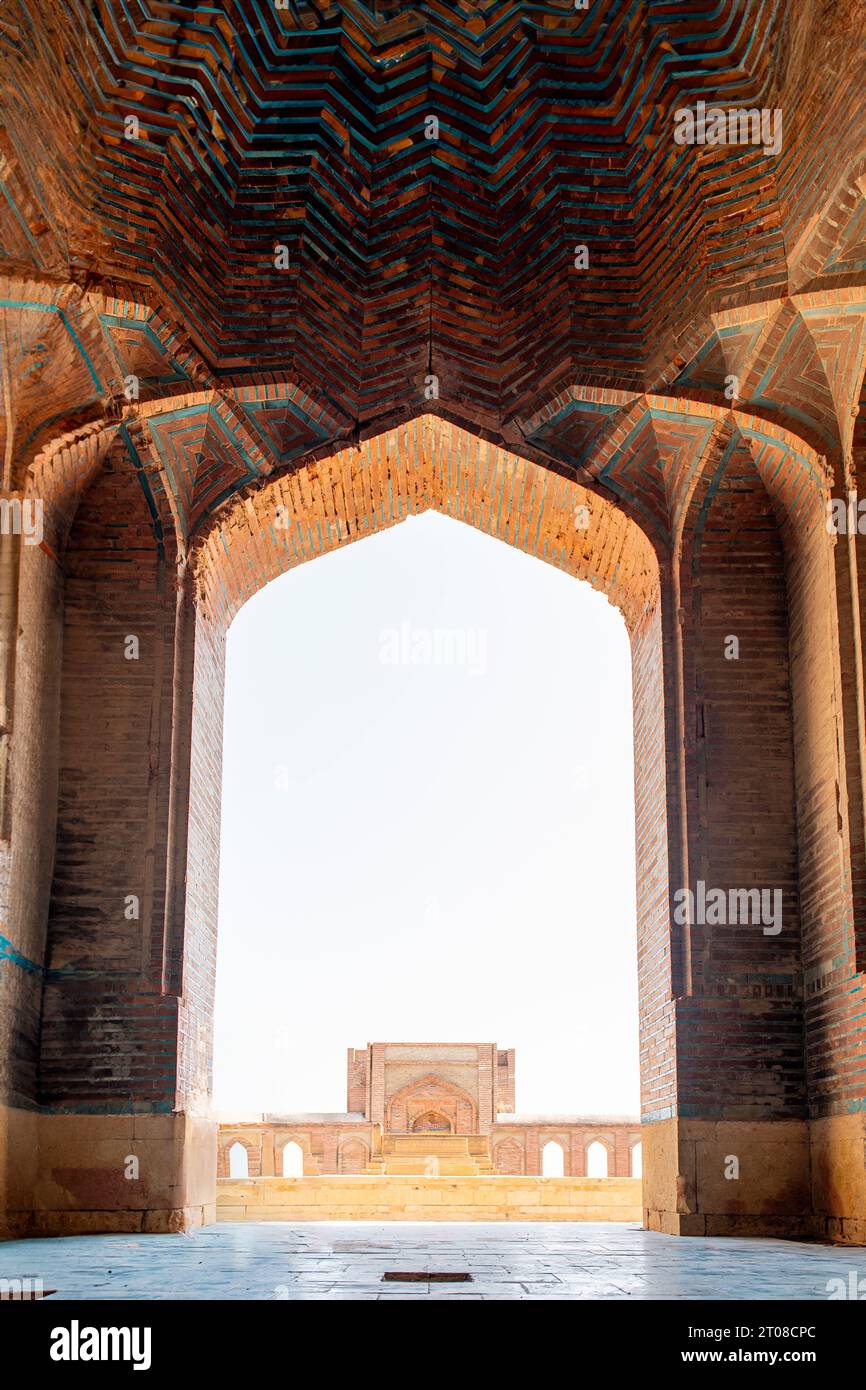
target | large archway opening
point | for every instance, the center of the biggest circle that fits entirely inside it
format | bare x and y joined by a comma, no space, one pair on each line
405,849
133,907
432,466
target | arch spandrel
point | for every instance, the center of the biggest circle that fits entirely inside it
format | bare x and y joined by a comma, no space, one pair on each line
427,463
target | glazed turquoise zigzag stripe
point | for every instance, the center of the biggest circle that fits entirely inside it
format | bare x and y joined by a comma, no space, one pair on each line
36,307
11,953
32,967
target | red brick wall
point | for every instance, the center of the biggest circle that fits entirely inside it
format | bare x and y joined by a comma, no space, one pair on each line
508,1157
850,660
835,995
746,985
196,931
352,1156
521,1149
109,1037
331,1148
657,1061
37,622
504,1083
357,1079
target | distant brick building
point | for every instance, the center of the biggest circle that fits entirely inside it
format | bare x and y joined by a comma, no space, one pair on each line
444,1092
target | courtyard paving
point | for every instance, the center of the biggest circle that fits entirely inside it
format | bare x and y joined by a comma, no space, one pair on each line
543,1260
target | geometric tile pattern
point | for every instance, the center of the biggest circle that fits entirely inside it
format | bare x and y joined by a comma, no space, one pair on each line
410,246
429,174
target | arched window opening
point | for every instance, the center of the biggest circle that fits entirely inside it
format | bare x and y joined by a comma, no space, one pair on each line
433,1122
293,1160
637,1160
239,1161
596,1160
428,1100
552,1160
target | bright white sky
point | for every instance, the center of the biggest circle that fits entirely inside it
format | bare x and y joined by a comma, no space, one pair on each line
427,852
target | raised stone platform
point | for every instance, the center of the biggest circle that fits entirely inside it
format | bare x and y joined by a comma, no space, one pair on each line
432,1155
370,1197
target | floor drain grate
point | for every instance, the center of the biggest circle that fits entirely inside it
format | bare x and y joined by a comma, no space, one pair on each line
420,1276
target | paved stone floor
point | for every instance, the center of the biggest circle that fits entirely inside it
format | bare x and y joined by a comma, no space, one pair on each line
340,1260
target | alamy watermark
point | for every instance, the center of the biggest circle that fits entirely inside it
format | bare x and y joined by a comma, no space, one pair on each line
734,125
22,516
846,515
24,1290
853,1287
77,1343
408,645
757,907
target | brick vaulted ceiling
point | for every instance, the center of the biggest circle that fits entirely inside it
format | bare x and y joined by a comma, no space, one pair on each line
306,126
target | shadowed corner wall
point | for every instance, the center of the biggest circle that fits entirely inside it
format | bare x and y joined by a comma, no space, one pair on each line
96,1139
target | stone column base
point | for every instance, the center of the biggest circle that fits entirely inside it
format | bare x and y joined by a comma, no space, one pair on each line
728,1178
77,1174
838,1145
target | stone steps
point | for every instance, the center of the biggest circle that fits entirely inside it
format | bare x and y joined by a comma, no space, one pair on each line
431,1154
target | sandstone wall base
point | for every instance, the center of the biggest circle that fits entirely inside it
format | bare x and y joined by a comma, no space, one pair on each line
75,1174
78,1174
788,1178
374,1197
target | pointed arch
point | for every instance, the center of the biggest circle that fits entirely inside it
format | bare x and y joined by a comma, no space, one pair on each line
292,1159
239,1160
552,1159
597,1159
